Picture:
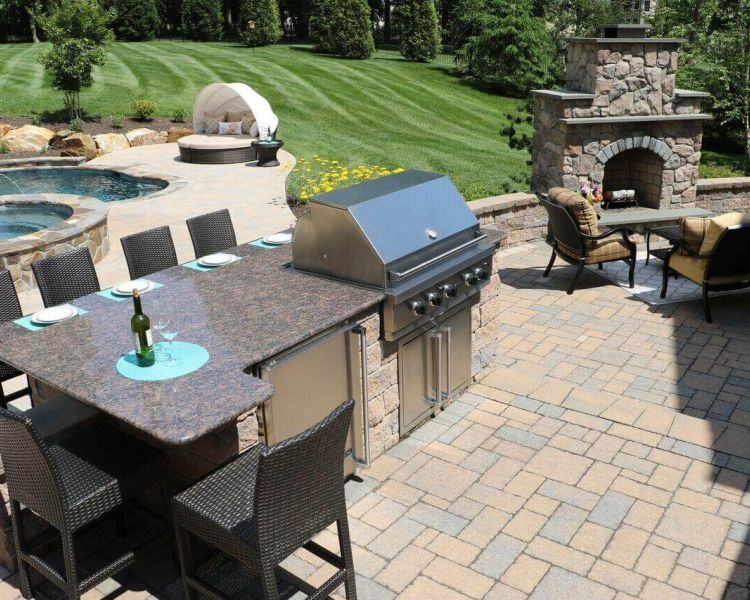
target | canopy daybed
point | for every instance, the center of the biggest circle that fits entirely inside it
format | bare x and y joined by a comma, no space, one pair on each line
222,99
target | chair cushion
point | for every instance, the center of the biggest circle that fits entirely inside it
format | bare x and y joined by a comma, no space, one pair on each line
716,227
580,209
692,233
607,251
691,267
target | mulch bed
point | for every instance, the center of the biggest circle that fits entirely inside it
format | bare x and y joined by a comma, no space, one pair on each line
91,125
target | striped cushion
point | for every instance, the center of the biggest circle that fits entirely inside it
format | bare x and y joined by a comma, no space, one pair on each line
580,209
692,233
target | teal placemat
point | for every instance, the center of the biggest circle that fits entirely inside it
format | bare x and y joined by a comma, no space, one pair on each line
193,264
117,298
27,323
186,359
261,244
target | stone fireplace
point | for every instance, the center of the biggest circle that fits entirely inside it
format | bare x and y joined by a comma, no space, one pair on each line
620,121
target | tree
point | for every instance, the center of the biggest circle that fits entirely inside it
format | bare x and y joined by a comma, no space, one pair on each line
202,20
506,47
342,27
259,23
80,36
420,36
136,19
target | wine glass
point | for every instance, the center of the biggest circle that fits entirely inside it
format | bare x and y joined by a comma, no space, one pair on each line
159,325
169,334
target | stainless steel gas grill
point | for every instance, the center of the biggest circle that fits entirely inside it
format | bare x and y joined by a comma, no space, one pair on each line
412,236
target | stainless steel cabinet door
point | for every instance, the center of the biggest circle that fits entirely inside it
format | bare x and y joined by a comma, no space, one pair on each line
418,385
456,360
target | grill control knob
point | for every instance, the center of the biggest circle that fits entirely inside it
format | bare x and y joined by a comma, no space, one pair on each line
481,273
449,290
434,299
416,306
470,278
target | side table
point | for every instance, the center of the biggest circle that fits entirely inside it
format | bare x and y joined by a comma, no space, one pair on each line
266,150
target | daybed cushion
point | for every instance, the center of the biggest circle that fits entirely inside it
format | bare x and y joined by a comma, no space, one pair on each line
215,142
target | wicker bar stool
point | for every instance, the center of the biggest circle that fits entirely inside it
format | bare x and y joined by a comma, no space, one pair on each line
10,308
82,479
149,251
269,502
65,277
212,232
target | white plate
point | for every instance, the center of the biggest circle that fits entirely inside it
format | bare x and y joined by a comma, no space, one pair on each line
278,238
216,260
126,288
54,314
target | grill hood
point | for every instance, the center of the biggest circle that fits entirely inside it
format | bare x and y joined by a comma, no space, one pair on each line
378,233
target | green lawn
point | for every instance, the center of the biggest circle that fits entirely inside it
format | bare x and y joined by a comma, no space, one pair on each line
383,111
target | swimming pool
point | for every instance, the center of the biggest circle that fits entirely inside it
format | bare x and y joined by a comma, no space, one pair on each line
106,185
23,219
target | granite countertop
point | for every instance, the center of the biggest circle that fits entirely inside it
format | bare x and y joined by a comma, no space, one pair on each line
242,313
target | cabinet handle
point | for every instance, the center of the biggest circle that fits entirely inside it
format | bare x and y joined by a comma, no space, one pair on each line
437,367
447,332
362,333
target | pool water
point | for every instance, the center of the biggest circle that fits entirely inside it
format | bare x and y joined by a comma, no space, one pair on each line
108,186
22,219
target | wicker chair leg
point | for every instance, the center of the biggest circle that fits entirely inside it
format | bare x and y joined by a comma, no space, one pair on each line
187,564
73,590
345,546
551,262
576,278
707,305
268,578
19,540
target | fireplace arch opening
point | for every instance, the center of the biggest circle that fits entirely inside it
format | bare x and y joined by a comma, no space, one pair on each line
636,169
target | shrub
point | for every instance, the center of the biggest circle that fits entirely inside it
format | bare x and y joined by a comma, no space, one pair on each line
178,115
342,27
202,20
116,121
143,110
36,119
259,23
420,36
76,125
4,149
136,19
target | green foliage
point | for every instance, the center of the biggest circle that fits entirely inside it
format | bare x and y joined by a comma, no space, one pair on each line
116,122
343,28
259,23
143,109
136,19
4,149
202,20
36,119
507,47
178,115
418,23
76,125
80,34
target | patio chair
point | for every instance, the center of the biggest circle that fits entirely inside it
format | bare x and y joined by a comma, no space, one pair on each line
65,277
576,237
714,253
69,485
212,232
10,309
149,251
269,502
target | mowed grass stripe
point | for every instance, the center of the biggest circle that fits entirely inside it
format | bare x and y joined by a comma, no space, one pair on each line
382,111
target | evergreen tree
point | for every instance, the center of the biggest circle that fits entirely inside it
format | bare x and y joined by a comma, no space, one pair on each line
259,23
202,20
342,27
136,19
420,36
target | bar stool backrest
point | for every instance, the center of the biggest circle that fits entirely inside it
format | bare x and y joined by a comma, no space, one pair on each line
211,233
65,277
30,470
300,486
149,251
10,308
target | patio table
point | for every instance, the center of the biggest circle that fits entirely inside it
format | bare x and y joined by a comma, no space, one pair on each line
242,313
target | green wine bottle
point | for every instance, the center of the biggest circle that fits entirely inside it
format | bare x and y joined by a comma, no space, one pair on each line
140,325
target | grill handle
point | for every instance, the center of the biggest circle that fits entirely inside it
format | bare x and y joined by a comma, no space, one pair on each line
398,275
365,460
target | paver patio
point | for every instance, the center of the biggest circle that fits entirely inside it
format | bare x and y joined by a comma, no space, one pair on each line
604,454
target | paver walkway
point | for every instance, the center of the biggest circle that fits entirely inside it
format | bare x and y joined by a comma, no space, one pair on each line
603,455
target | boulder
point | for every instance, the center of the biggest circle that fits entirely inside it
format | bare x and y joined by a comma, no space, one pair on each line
175,133
111,142
143,137
56,142
79,144
5,128
28,138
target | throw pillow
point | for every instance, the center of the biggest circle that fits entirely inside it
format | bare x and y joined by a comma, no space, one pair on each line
211,122
230,128
248,120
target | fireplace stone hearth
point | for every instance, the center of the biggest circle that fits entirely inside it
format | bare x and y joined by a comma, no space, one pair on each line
620,121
